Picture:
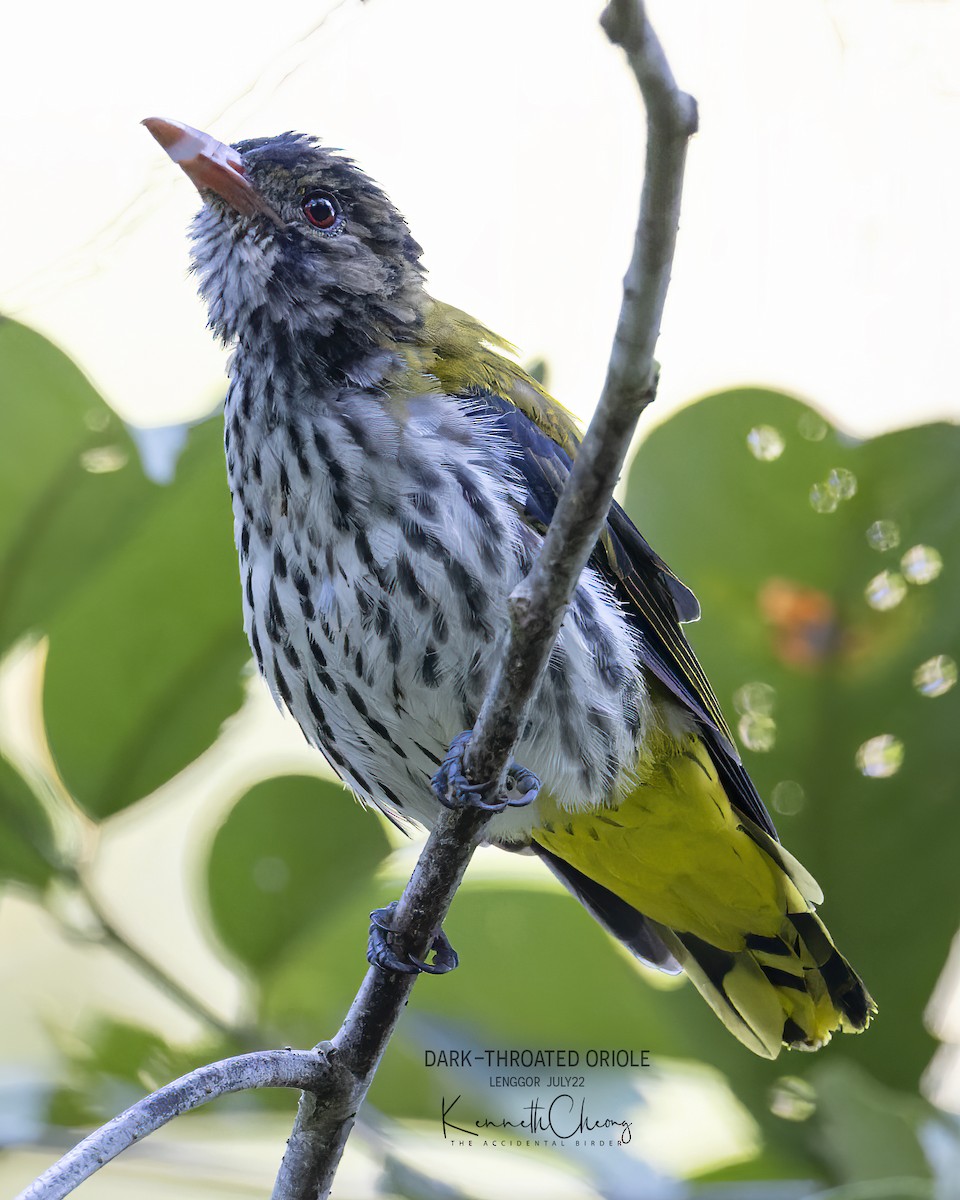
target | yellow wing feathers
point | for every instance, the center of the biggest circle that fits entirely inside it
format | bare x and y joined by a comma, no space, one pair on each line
729,903
462,355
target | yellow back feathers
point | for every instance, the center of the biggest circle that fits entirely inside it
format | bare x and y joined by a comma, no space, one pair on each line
457,354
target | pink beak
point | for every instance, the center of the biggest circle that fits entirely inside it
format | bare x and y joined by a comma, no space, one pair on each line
211,165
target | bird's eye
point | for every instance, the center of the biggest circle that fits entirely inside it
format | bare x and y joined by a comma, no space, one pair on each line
322,211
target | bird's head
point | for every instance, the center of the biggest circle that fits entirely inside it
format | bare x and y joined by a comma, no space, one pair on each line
293,234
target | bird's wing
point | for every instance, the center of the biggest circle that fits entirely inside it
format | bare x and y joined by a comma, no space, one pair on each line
466,359
654,598
655,595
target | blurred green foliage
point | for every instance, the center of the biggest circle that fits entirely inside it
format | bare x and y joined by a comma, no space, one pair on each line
130,581
287,837
135,587
784,594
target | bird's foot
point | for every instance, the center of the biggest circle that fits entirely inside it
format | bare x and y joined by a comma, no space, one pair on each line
384,952
454,790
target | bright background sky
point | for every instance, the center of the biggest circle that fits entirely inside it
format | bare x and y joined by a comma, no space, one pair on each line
819,242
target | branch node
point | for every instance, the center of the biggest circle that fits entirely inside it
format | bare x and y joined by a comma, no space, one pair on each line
520,604
625,24
691,113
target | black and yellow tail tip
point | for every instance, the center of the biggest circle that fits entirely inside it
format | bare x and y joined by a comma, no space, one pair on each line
795,990
852,1013
852,1006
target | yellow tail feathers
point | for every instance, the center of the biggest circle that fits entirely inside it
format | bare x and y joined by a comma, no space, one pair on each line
777,991
731,906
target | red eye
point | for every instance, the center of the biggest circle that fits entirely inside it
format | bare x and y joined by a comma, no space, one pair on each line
321,210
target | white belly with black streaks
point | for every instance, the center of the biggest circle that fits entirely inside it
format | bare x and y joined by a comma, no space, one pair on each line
378,546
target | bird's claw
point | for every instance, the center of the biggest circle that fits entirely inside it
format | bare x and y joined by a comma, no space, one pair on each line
523,786
453,789
382,948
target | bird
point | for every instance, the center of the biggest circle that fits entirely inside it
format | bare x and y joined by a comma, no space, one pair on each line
393,470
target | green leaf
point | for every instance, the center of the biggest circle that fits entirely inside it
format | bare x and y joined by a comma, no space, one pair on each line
70,483
292,852
783,593
135,584
145,664
27,848
866,1131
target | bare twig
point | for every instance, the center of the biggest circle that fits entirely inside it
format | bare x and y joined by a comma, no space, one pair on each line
538,605
334,1079
305,1069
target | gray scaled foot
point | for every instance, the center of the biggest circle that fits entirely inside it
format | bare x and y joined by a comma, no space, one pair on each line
454,790
384,951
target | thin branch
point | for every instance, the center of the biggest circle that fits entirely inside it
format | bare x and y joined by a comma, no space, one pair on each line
305,1069
335,1077
111,935
538,605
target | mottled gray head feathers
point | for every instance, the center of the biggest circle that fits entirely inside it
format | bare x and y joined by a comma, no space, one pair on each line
341,264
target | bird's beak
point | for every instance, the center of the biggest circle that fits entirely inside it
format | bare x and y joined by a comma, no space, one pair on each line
211,165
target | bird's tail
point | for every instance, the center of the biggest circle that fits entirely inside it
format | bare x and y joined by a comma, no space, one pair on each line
793,989
686,881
